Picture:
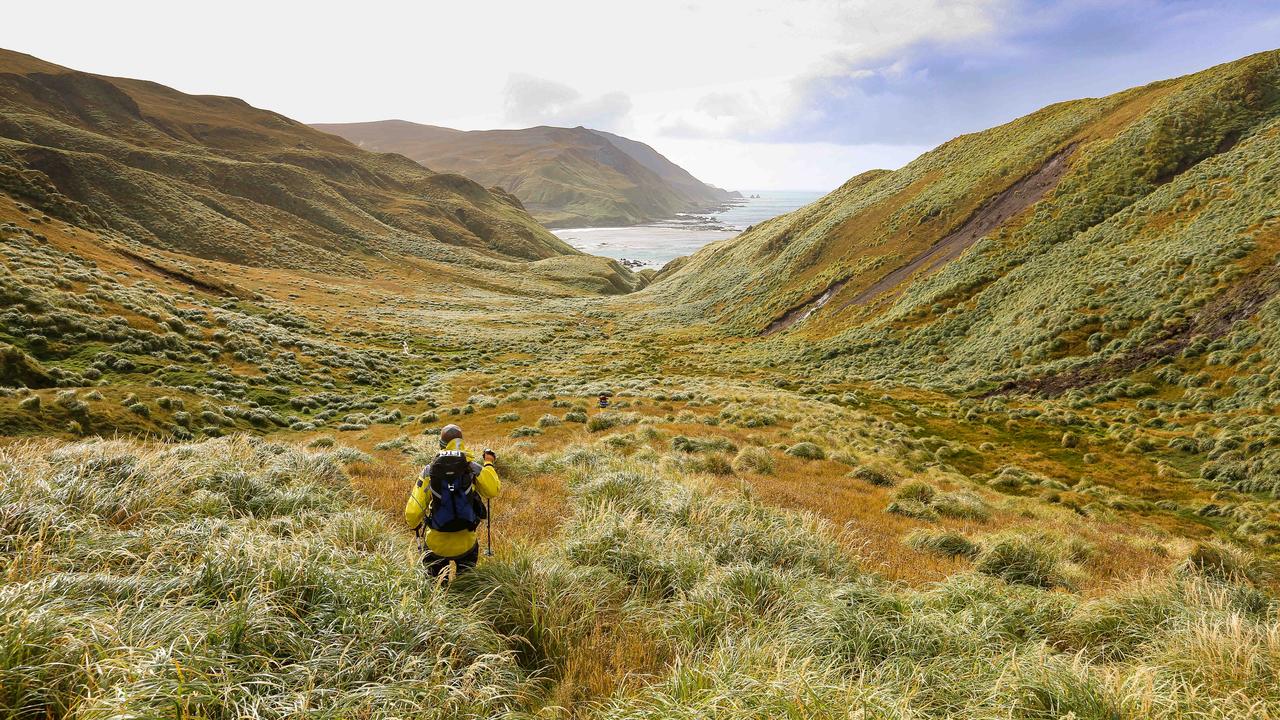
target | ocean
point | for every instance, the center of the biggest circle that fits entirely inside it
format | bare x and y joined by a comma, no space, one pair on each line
656,244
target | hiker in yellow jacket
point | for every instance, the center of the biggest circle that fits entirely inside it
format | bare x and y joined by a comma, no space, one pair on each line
450,526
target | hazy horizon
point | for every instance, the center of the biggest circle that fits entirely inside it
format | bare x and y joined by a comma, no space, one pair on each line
743,95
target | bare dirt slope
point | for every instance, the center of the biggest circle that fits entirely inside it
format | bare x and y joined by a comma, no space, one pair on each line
1003,207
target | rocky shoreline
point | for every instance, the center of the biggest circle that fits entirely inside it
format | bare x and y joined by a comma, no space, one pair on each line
653,244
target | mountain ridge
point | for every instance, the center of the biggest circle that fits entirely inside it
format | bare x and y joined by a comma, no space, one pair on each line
217,178
565,176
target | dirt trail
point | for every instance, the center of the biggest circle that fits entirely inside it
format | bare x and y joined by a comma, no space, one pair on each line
1017,197
209,285
805,309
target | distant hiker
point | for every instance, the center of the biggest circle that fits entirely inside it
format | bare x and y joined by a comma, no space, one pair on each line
604,401
448,502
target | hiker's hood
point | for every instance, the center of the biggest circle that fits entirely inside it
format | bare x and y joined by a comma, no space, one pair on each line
457,444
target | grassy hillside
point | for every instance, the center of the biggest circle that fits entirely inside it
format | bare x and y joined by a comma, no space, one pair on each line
871,510
1088,237
691,188
242,577
565,176
214,177
712,546
115,336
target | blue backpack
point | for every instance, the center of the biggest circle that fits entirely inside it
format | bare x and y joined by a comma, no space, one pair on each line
455,504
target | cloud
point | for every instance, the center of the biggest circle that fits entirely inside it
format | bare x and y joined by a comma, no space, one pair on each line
736,113
750,166
937,69
1036,54
827,37
680,127
722,104
531,100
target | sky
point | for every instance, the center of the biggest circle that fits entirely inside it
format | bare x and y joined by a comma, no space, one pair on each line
748,94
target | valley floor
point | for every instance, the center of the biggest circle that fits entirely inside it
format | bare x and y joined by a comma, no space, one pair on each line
724,540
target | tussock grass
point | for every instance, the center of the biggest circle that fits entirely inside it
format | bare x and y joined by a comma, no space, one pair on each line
259,581
807,451
961,504
943,542
754,459
874,475
1024,559
230,577
687,553
1224,562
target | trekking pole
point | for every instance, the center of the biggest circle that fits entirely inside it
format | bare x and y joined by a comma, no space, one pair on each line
488,526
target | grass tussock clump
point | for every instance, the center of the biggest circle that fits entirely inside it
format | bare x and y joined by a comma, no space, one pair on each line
546,604
1259,474
921,500
1227,563
875,475
683,444
255,580
807,451
912,509
916,490
961,505
748,415
754,460
712,464
267,585
948,543
525,431
1022,559
609,420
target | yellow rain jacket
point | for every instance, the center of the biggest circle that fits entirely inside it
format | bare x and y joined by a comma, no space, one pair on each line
449,544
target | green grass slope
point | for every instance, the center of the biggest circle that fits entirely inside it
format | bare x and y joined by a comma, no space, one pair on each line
239,577
101,335
564,176
690,187
217,178
1088,238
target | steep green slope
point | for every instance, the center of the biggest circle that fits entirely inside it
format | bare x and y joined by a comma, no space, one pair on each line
166,344
214,177
564,176
1065,249
690,187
